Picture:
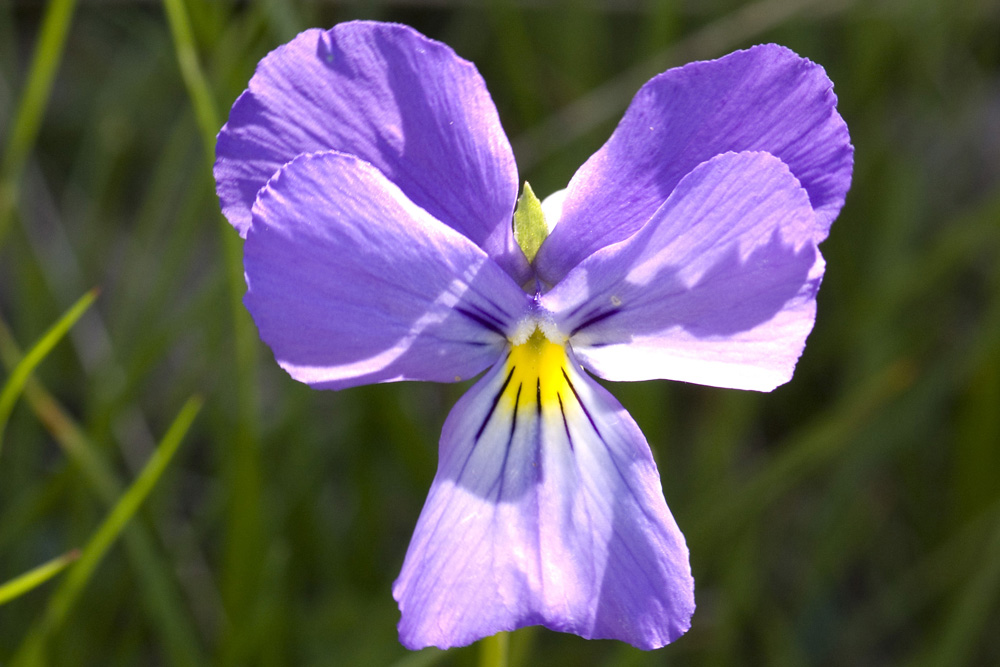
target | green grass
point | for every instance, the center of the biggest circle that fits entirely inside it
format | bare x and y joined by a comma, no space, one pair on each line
851,517
20,372
33,650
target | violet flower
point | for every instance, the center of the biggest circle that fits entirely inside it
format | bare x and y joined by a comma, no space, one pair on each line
367,169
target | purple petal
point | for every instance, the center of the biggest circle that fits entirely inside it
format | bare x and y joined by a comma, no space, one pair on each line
718,288
351,283
546,510
763,99
387,94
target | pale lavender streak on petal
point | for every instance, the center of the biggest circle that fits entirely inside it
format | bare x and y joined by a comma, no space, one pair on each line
404,103
763,99
351,283
718,288
547,521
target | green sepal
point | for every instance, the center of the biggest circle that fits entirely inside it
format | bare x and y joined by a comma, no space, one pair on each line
529,223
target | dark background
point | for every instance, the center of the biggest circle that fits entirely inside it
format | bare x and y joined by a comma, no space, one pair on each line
851,517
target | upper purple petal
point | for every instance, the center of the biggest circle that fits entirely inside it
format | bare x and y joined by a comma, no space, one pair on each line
717,288
400,101
349,282
766,98
546,510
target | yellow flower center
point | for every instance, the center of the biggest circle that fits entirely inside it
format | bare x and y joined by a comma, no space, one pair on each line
537,374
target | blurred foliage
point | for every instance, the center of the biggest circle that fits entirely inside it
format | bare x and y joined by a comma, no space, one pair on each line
852,517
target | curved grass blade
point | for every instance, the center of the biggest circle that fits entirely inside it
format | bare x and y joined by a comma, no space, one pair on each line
31,652
19,376
968,620
35,577
158,587
28,117
245,538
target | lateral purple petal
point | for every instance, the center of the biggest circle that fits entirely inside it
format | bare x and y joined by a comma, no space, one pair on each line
387,94
718,288
546,510
766,98
350,282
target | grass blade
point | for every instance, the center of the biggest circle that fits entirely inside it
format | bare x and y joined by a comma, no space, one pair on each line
245,535
194,79
968,620
31,652
29,114
179,635
36,577
19,376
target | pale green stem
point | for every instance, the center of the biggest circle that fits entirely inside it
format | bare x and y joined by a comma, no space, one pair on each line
493,650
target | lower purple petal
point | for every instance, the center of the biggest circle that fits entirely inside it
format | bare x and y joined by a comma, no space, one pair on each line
546,510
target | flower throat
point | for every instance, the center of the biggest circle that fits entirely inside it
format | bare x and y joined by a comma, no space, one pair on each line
537,375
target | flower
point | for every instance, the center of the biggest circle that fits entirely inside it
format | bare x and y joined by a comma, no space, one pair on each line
368,171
